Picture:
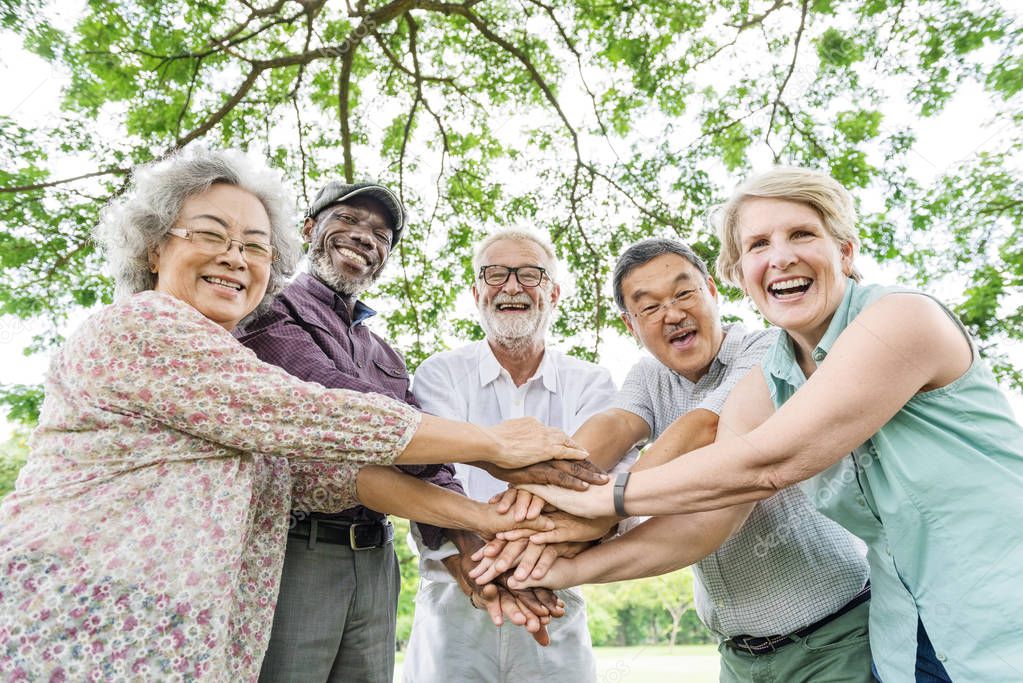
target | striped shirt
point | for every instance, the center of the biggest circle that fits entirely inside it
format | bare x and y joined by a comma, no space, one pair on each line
788,566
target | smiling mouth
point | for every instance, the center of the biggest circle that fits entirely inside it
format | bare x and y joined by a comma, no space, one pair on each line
791,287
682,336
512,307
227,284
353,255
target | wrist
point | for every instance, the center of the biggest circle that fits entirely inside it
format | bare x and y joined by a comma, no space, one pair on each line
618,493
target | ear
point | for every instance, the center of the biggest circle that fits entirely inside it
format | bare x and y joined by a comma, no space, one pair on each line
712,288
555,294
848,252
307,229
475,294
627,319
153,257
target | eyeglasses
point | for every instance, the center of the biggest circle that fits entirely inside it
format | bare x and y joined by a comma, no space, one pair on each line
216,242
654,313
527,276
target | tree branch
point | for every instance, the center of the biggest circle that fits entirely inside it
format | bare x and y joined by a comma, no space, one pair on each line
792,67
54,183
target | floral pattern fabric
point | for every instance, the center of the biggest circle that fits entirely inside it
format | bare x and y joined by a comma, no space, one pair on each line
146,534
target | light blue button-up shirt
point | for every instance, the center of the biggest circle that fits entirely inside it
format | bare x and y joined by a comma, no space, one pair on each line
937,495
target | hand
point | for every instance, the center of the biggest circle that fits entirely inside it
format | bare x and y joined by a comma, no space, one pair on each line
597,501
530,608
560,574
523,503
495,558
570,474
526,440
528,559
566,528
525,517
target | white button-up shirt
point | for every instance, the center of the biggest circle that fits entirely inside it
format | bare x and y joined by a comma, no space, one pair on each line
469,384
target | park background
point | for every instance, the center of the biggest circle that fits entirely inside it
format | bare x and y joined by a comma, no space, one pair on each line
596,122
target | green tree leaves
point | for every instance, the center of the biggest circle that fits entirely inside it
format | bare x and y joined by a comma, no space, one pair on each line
599,123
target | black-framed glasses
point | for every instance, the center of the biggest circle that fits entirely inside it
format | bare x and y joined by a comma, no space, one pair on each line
216,242
654,313
527,276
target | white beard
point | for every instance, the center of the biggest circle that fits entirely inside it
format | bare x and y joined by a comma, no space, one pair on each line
515,331
323,268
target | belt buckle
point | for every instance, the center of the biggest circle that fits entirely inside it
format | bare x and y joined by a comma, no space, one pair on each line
353,534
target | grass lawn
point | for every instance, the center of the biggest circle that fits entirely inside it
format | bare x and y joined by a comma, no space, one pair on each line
646,664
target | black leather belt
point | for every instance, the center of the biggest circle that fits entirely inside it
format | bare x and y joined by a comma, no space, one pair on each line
764,645
357,536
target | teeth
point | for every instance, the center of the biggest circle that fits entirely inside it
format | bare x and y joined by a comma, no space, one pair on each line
223,283
353,255
514,307
791,284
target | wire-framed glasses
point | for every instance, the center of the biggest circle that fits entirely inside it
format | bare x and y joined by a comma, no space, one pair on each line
213,242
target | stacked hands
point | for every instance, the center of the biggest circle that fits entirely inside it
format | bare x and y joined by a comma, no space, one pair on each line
512,575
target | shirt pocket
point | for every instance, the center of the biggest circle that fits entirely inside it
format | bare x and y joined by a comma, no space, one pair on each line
394,378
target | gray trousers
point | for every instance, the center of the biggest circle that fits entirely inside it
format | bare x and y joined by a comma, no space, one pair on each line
335,615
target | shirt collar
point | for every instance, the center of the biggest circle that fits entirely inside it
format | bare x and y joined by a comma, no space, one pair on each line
490,369
328,297
839,321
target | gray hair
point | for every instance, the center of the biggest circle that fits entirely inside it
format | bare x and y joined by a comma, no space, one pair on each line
138,221
517,235
647,250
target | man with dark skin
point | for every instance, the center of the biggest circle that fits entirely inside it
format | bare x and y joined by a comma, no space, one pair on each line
336,611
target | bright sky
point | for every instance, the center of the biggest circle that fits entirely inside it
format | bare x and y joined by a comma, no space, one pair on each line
32,90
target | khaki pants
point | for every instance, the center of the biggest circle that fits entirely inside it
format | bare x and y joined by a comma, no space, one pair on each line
454,643
838,652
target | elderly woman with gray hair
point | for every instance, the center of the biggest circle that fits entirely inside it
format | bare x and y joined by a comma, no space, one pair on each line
145,537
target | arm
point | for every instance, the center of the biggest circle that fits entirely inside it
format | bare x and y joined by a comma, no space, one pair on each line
900,345
131,356
661,544
691,431
657,546
387,490
608,435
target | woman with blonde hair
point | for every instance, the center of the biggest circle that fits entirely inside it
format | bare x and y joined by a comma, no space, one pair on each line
876,402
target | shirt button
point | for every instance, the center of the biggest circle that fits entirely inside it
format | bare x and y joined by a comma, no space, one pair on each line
861,501
941,657
818,355
359,363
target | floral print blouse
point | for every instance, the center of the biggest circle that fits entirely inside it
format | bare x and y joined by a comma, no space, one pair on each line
145,538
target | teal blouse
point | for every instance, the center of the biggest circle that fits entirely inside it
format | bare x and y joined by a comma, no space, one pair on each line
937,495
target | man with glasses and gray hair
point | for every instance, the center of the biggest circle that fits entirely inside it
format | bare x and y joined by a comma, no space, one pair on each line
510,373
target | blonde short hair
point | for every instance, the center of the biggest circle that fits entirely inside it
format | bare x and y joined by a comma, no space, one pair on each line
817,190
517,235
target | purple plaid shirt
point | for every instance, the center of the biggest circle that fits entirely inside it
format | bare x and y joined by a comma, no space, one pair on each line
308,332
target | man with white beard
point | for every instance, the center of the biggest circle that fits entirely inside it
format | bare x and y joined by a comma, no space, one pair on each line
511,373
